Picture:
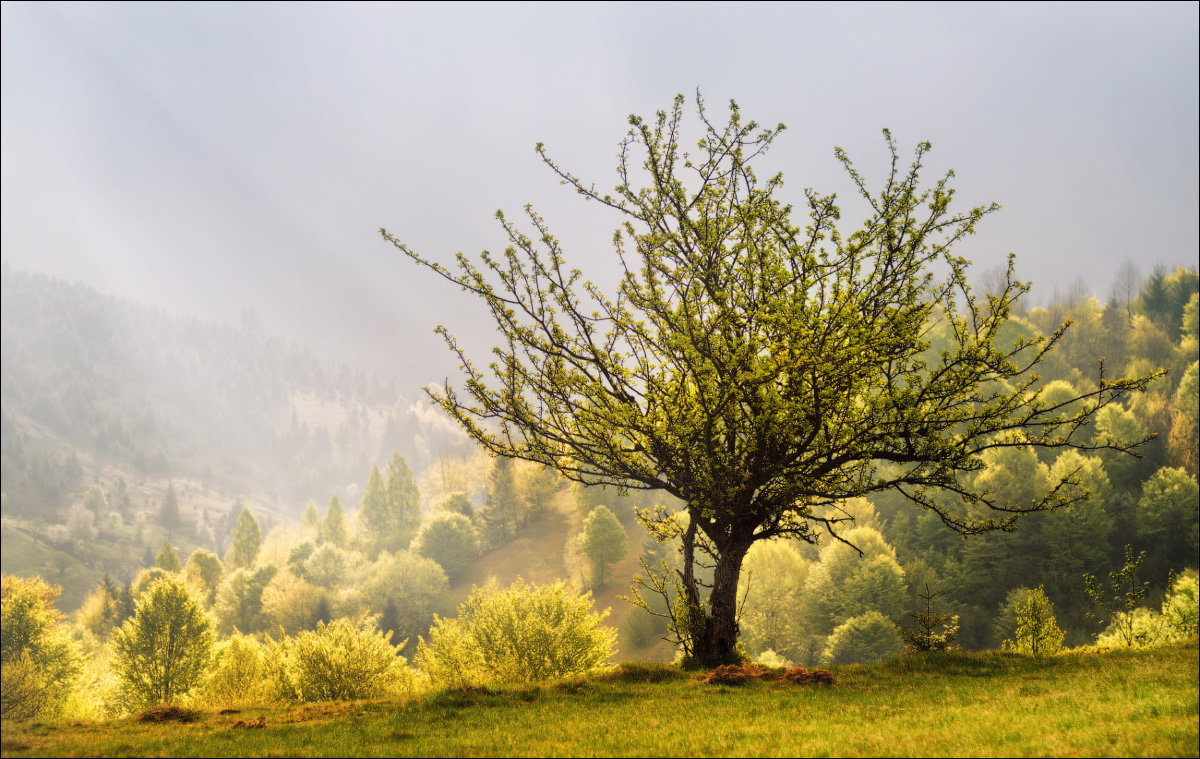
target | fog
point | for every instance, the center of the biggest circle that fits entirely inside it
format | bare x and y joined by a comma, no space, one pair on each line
213,159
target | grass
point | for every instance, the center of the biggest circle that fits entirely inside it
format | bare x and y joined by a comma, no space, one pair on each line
1134,703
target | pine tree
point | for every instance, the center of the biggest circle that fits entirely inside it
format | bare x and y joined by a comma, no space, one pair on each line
333,529
375,514
96,502
405,500
312,520
168,558
169,515
500,514
247,539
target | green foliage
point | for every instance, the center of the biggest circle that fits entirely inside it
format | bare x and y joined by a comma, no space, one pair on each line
203,572
845,584
333,529
772,581
40,661
1185,419
166,649
327,566
291,604
503,511
311,520
603,541
168,558
521,634
239,601
148,577
390,512
449,539
1181,607
740,339
457,502
246,539
341,661
407,583
169,514
932,631
1037,632
1167,517
238,677
867,637
1118,601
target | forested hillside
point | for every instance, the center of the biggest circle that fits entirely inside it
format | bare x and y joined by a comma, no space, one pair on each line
105,394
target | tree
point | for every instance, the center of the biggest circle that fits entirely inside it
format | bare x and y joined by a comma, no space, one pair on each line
456,502
247,539
312,520
754,367
239,602
1118,602
165,650
333,529
405,502
40,661
203,572
867,637
1037,632
169,515
168,558
602,541
449,539
501,514
933,631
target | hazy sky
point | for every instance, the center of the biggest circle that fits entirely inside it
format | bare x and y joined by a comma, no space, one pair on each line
215,157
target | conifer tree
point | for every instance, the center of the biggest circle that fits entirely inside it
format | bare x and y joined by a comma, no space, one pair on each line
333,529
247,539
312,520
168,558
169,515
405,500
375,515
500,514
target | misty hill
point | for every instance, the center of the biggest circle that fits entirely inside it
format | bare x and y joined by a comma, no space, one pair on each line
93,381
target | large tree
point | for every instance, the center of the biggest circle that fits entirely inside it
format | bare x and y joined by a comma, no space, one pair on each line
759,368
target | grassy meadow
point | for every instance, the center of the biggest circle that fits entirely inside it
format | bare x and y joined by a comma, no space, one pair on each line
1112,703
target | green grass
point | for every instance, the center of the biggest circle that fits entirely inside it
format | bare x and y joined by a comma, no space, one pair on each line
1134,703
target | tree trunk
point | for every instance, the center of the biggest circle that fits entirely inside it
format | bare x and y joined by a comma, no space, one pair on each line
716,638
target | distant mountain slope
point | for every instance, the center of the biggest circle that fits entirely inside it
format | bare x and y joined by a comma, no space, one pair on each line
86,376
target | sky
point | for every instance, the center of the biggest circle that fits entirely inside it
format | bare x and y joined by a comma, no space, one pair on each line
213,159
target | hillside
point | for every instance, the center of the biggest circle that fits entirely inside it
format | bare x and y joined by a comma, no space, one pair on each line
105,392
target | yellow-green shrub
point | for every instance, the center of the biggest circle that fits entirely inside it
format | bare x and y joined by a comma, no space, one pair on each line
238,676
344,660
520,634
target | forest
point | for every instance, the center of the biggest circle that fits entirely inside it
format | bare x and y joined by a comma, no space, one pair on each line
414,580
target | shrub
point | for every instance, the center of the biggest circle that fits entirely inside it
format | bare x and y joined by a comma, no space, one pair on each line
344,660
520,634
868,637
449,539
238,676
1140,628
39,660
1037,632
1181,608
166,649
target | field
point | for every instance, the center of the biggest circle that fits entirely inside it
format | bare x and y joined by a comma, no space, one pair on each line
1132,703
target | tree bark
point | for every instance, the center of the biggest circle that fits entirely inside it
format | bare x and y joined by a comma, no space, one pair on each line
716,639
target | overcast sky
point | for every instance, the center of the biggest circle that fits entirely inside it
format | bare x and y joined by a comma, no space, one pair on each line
215,157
